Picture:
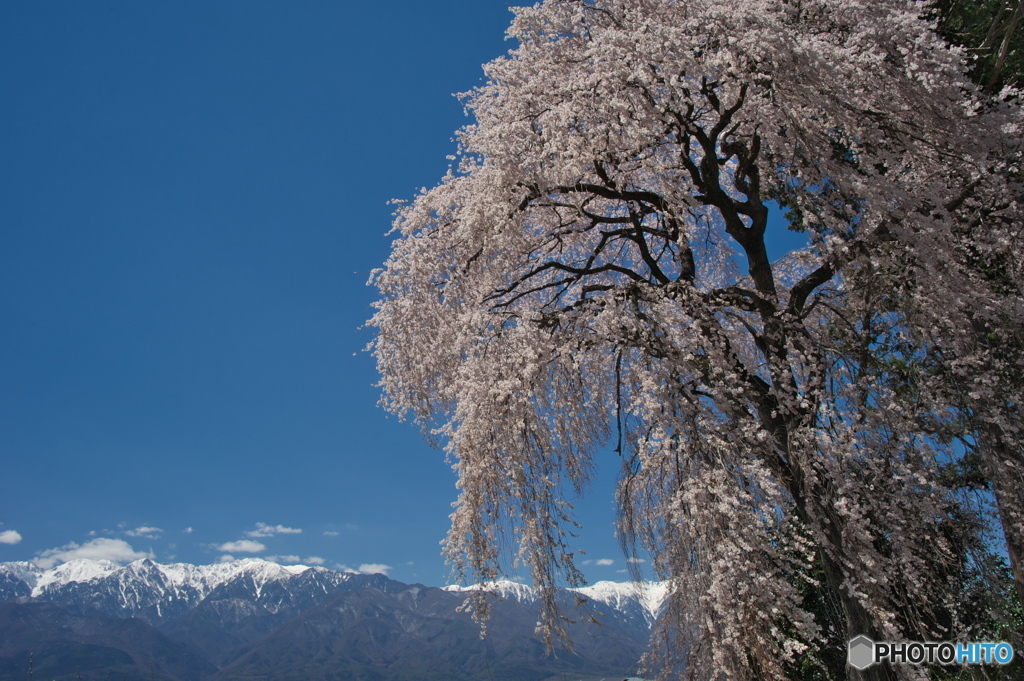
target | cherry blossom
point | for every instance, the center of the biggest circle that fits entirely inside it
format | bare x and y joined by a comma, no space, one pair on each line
591,286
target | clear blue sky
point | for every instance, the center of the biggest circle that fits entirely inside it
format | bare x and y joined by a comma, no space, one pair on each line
191,197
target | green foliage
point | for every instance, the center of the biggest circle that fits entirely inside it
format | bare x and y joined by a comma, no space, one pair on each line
826,660
997,616
992,32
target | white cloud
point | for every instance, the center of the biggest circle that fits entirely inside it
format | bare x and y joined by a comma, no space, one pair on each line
242,546
227,558
331,533
264,530
144,531
9,537
604,562
345,568
188,530
292,560
374,568
114,550
636,561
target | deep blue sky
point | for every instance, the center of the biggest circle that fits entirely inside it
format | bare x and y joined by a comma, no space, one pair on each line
191,197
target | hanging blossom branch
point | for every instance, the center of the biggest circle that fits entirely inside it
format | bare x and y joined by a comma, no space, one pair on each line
598,268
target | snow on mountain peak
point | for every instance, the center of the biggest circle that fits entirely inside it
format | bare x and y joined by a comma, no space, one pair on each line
153,590
503,588
175,577
78,570
261,571
650,595
23,570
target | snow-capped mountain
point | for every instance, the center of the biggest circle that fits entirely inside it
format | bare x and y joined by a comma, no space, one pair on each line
635,601
178,576
648,597
504,589
156,591
249,618
150,590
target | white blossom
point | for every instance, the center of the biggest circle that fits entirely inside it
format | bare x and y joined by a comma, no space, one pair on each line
591,287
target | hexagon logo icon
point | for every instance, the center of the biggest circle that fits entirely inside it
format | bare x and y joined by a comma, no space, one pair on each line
862,652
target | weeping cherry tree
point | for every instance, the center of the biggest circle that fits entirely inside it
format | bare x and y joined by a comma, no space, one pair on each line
591,285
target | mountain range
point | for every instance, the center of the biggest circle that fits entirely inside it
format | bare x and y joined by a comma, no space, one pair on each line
252,619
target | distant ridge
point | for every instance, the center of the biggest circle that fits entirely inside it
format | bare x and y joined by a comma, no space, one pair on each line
252,618
179,576
621,596
144,588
